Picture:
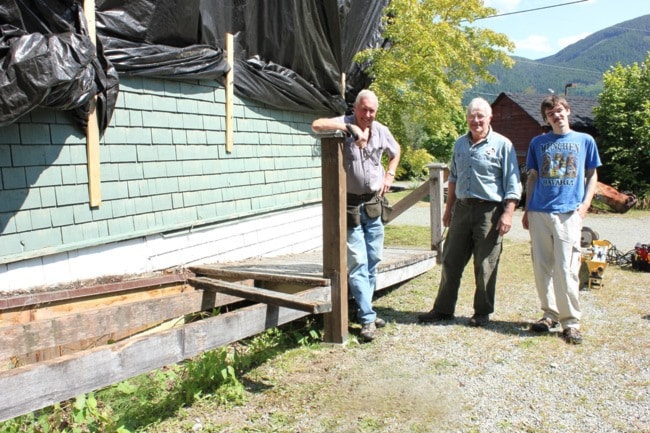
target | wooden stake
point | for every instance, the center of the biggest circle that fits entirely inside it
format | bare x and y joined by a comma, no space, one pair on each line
92,131
230,57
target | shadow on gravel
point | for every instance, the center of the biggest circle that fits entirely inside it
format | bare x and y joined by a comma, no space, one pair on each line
391,315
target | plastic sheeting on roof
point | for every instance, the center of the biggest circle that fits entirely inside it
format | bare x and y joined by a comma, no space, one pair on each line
48,60
289,54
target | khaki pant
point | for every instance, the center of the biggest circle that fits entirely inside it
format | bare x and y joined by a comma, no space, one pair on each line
555,251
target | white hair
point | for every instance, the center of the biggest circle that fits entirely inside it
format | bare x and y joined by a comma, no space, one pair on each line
479,103
366,94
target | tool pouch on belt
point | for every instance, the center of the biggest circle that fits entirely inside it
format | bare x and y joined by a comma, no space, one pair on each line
378,206
373,207
386,209
354,215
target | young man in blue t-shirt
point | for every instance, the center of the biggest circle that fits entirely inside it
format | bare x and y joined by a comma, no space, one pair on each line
561,184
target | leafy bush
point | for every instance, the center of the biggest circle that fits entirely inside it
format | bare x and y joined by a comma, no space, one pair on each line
413,164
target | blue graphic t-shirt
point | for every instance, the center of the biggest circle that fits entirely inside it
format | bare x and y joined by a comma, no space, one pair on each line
560,162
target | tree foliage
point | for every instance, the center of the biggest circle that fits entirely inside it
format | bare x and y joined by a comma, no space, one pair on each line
623,120
433,55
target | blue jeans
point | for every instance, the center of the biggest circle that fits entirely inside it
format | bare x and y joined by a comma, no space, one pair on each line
365,246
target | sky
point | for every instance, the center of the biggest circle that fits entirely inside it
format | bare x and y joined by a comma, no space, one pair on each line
545,31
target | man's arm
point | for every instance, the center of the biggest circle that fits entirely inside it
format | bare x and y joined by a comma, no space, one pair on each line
530,187
334,124
389,176
591,180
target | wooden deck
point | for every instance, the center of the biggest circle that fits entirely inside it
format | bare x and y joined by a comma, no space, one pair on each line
398,265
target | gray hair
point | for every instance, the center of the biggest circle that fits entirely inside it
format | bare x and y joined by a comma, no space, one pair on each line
366,94
479,103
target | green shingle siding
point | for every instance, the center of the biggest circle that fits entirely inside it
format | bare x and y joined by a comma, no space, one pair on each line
164,166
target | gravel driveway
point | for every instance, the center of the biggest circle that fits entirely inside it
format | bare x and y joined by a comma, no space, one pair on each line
622,231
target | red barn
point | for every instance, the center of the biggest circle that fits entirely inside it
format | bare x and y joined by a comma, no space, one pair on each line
518,117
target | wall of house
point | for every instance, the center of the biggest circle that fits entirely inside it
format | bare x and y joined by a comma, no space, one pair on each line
171,194
513,122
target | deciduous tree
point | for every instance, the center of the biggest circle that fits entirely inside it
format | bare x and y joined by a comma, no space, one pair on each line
623,121
435,52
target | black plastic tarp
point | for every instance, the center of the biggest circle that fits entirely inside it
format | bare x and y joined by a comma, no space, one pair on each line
289,54
48,60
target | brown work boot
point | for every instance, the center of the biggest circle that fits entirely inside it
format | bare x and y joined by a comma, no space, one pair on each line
479,320
545,324
433,317
572,335
368,331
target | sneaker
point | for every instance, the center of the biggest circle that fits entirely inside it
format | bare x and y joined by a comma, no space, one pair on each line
479,320
434,316
380,323
572,335
368,331
544,324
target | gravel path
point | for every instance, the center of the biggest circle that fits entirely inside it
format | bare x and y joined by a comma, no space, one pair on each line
622,231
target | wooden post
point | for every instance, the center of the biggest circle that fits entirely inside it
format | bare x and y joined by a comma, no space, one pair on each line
334,237
230,57
437,205
92,131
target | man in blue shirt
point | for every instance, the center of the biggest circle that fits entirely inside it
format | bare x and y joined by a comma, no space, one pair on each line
561,183
483,190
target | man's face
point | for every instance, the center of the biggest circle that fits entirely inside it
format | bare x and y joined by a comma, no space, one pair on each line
478,121
364,112
558,116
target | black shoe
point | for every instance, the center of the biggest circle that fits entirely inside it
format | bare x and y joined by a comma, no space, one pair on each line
479,320
434,316
545,324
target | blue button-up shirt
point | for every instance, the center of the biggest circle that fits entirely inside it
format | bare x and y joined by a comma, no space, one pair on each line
486,170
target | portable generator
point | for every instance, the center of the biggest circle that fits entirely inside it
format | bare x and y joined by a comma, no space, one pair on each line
594,259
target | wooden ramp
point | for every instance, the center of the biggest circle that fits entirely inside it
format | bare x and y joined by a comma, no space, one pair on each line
398,265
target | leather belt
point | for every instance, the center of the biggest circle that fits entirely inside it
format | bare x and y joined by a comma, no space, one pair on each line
476,201
356,199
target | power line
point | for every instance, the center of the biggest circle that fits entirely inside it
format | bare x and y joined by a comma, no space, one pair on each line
559,67
532,10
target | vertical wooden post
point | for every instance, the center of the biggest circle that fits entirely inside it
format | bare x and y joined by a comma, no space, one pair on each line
92,131
230,58
437,198
335,262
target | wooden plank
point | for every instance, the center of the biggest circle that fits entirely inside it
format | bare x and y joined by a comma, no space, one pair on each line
436,206
242,274
406,202
40,298
26,389
334,237
256,294
230,93
91,324
79,305
92,130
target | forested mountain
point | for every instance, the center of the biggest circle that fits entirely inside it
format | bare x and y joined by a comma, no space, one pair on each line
582,63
